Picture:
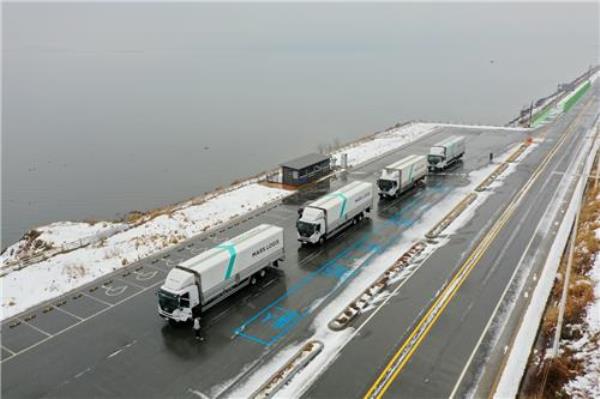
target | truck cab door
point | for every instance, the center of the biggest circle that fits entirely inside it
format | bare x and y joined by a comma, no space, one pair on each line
184,300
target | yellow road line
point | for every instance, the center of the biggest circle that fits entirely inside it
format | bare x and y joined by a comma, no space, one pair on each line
418,334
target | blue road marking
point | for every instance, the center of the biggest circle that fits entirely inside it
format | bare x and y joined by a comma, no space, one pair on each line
276,321
287,317
253,338
335,270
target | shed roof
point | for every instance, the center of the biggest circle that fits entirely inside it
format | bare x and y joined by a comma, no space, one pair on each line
305,161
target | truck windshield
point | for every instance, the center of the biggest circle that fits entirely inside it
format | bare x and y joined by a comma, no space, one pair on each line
167,301
434,159
385,184
306,229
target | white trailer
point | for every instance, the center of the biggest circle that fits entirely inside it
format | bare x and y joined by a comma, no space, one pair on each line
333,212
402,175
202,281
446,152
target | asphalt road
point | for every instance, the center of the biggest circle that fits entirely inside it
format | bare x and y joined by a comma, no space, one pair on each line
462,348
107,340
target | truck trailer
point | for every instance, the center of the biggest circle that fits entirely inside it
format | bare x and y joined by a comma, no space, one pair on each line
198,283
446,153
333,212
402,175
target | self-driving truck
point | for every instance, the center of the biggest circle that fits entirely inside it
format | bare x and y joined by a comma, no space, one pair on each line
198,283
333,212
446,153
402,175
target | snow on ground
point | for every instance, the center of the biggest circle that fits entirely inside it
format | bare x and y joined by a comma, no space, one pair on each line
382,143
56,235
57,275
334,341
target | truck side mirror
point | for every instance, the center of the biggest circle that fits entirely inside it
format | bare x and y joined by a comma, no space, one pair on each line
300,210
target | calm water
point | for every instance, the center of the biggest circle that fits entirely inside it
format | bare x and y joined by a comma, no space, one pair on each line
113,107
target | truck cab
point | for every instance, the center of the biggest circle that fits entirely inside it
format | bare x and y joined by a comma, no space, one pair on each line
437,156
388,183
311,225
178,296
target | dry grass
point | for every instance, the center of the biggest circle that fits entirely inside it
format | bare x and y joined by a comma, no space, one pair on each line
562,369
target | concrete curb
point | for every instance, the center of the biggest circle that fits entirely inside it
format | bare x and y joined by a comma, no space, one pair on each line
282,376
342,320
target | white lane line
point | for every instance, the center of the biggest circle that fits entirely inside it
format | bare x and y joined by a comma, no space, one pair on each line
80,322
8,350
67,312
506,289
115,353
310,257
198,393
37,329
96,299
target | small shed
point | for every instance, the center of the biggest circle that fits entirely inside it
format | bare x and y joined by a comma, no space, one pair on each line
305,169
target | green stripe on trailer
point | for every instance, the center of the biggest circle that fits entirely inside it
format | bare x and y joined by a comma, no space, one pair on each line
343,198
344,202
230,248
410,173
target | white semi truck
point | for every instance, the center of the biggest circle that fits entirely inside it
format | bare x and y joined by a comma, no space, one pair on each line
446,152
331,213
196,284
402,175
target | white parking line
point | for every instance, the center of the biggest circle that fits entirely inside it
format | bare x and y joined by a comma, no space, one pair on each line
96,299
67,312
8,350
36,328
79,322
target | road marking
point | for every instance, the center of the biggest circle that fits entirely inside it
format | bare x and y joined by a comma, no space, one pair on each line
96,299
8,350
115,291
36,328
421,331
143,276
80,322
130,282
67,312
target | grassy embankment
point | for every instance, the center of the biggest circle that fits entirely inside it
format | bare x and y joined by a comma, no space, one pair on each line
546,378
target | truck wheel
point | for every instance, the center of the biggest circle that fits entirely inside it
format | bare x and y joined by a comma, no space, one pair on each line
173,323
262,273
321,240
276,262
253,280
360,216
